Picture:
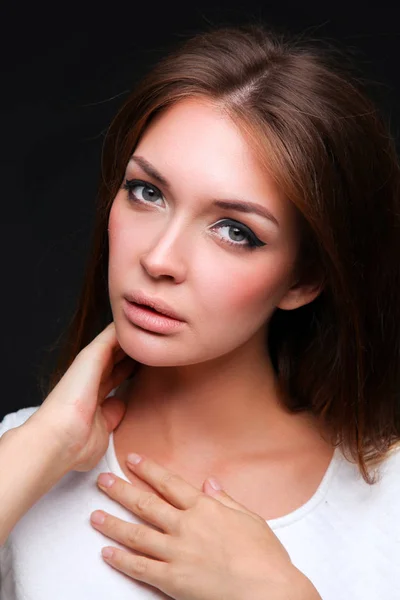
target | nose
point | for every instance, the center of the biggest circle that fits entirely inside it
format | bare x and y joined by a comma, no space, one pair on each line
167,254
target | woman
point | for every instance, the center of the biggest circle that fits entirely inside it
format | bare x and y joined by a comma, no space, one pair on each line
250,191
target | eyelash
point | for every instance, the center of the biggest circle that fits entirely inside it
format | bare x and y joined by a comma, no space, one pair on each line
252,241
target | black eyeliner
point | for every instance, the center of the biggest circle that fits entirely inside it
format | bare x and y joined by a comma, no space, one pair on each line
253,241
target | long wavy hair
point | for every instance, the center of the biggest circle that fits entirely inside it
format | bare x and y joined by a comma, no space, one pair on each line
324,143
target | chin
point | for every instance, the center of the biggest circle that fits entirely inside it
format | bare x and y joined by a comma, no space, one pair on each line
147,348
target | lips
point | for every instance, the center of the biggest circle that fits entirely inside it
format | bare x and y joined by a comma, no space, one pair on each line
148,308
156,304
152,310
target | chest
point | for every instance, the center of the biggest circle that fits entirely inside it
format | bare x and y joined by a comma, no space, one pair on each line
271,488
54,553
275,488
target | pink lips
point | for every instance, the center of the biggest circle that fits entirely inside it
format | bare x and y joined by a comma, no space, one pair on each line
156,303
146,318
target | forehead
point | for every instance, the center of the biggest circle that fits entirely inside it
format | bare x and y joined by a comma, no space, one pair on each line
195,138
194,130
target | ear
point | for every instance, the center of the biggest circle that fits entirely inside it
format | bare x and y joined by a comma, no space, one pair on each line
299,295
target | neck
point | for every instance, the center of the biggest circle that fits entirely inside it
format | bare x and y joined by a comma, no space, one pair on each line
227,407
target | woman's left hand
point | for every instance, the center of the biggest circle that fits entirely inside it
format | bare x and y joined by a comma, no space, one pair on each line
209,546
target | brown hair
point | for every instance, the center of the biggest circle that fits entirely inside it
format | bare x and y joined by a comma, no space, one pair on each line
323,141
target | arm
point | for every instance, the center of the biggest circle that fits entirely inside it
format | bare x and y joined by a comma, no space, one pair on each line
70,431
31,463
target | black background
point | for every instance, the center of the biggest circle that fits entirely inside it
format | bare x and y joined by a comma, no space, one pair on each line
66,70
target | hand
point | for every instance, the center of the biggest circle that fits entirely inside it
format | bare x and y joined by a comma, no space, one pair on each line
76,413
208,546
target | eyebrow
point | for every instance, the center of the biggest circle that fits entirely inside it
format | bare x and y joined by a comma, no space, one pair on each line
240,205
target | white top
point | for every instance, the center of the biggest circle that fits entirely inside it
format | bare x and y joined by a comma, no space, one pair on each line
345,539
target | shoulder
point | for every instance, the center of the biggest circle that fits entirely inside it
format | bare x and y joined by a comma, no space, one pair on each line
17,418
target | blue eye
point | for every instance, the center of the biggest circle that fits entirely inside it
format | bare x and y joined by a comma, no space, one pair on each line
251,242
149,192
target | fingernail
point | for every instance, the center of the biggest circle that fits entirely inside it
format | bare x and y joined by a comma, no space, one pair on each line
133,458
214,483
105,480
107,552
97,517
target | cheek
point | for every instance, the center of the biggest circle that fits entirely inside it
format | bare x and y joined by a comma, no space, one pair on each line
250,290
121,244
121,241
113,226
116,229
223,285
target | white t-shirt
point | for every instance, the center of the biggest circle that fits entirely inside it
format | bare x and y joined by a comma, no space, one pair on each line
345,539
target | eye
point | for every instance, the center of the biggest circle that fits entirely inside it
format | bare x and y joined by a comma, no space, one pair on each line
144,192
251,241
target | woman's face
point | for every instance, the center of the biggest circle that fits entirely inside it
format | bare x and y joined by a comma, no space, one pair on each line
173,242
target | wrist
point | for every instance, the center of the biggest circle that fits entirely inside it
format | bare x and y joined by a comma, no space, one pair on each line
30,466
40,449
293,586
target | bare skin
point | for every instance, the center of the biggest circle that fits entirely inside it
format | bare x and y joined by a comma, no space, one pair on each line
291,468
205,401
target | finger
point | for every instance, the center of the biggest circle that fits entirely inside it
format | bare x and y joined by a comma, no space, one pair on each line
153,572
134,536
110,349
146,505
107,336
118,354
113,410
171,486
225,499
101,354
120,372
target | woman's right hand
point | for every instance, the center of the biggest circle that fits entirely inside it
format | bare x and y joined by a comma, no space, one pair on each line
76,411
